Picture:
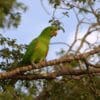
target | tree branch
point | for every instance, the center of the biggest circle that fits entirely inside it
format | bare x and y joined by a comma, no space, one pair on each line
53,75
18,71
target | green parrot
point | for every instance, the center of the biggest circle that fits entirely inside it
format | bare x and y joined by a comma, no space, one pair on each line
37,50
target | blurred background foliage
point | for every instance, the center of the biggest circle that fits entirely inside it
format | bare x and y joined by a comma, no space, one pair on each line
10,13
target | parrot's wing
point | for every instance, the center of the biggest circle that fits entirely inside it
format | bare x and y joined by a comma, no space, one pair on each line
30,50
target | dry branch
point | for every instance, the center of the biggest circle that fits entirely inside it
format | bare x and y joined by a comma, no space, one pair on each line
19,70
53,75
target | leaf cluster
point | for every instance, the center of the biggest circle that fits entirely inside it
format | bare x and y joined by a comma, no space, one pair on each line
10,13
10,52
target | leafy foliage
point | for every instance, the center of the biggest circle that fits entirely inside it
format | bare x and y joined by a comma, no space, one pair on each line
10,52
55,2
10,13
72,89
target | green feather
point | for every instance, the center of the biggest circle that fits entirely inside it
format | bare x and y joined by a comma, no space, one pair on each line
38,48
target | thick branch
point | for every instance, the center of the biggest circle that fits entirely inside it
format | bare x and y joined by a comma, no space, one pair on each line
15,72
53,75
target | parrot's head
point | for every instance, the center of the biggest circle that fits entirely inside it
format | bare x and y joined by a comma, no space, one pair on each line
52,30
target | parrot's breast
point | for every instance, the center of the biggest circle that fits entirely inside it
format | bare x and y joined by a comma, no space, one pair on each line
40,52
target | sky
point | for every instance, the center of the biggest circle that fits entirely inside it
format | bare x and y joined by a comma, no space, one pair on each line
35,19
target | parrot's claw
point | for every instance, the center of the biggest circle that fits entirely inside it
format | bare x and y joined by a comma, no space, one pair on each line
34,65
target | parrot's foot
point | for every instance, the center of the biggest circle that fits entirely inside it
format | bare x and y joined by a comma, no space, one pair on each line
34,65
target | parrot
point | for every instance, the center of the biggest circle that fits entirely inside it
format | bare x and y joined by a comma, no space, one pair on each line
38,48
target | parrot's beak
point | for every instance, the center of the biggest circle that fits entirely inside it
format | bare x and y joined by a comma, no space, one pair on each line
54,33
